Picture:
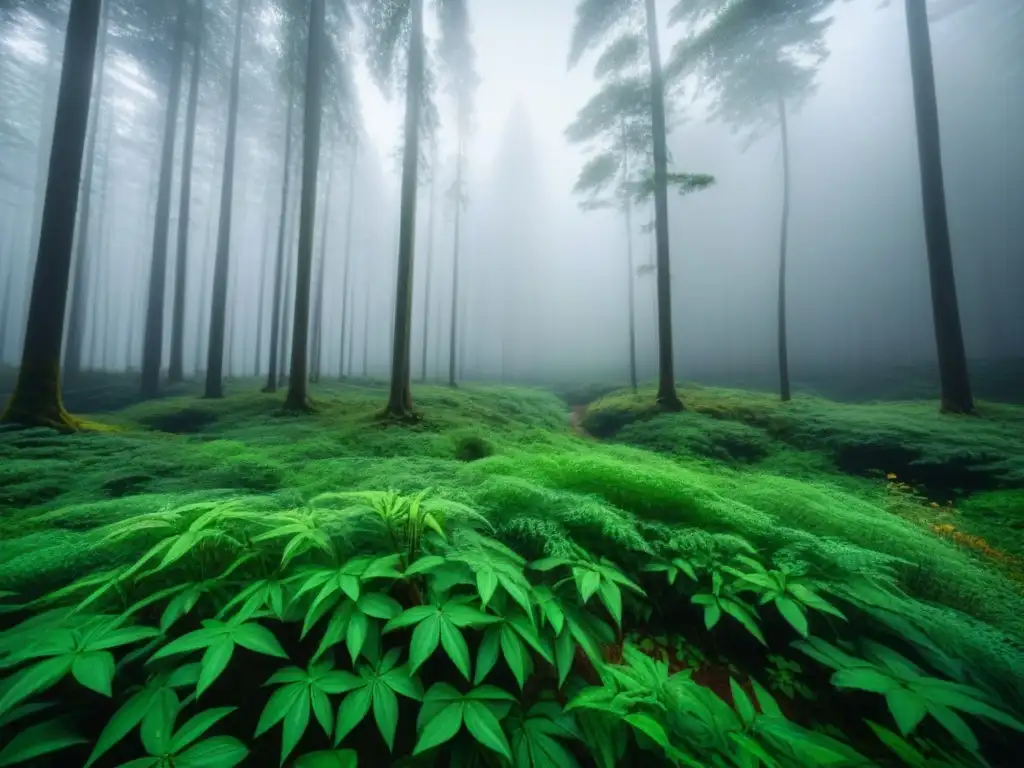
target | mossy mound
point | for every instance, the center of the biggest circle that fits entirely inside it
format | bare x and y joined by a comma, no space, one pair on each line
949,456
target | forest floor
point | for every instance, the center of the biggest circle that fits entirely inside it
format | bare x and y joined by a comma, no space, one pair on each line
936,500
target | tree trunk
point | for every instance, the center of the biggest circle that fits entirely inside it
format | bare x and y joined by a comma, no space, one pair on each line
276,310
5,307
953,375
36,400
289,296
153,341
453,329
318,311
261,311
176,370
400,395
298,388
99,288
366,332
628,212
348,252
77,311
430,256
668,398
784,391
218,303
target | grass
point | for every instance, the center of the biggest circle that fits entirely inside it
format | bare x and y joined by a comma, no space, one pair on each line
795,480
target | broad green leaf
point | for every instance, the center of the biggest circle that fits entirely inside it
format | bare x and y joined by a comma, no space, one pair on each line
95,670
40,739
793,613
955,724
487,653
399,681
358,627
385,712
742,703
218,752
485,728
379,606
410,616
441,728
455,646
865,679
328,758
115,638
32,680
611,596
565,652
214,662
127,716
515,654
351,712
486,583
197,725
905,751
280,703
907,708
296,720
158,723
424,641
258,638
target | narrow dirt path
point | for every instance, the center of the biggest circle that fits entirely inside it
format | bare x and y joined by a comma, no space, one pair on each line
576,413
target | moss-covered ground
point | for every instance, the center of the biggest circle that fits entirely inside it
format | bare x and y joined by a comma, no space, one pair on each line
931,505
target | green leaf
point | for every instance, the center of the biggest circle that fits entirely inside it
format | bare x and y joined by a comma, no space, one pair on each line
899,745
907,708
741,703
127,716
486,583
611,596
258,638
296,720
712,615
351,712
410,616
328,758
548,563
565,652
197,725
214,662
379,606
322,710
793,613
864,679
32,680
40,739
218,752
193,641
385,712
487,653
280,703
158,723
424,564
358,627
485,728
441,728
455,646
118,637
955,724
424,641
515,654
95,670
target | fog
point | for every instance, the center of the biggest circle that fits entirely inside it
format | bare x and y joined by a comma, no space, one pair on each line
543,286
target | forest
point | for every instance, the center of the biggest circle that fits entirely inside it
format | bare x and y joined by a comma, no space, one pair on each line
534,384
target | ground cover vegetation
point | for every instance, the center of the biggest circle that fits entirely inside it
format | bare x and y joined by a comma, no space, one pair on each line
222,582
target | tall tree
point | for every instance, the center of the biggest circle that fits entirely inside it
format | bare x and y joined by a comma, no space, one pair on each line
595,20
36,400
617,125
389,21
347,269
298,387
75,340
459,58
176,371
954,380
276,309
427,270
218,302
153,340
761,66
318,305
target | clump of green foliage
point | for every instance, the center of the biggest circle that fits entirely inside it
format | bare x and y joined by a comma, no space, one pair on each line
370,627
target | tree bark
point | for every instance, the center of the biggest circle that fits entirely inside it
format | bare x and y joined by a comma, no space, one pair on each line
36,400
628,214
218,304
667,398
349,218
77,312
153,340
784,390
298,388
428,267
260,310
318,310
954,380
176,370
276,310
400,396
453,328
